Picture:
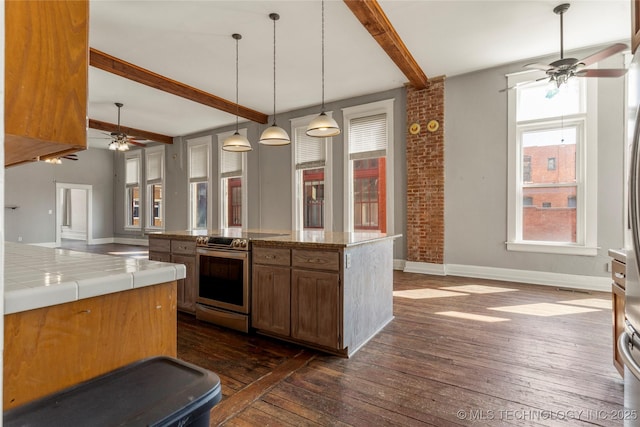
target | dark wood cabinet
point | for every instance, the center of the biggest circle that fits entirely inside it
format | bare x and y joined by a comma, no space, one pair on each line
180,252
46,78
618,274
271,296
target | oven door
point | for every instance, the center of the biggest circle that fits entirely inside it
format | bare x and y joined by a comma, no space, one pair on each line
223,279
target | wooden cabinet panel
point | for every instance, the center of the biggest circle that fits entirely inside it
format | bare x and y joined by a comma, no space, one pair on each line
46,78
185,247
159,245
271,299
51,348
315,307
271,256
617,299
319,260
187,287
619,273
160,256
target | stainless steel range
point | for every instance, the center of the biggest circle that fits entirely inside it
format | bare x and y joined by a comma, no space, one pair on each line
224,278
223,266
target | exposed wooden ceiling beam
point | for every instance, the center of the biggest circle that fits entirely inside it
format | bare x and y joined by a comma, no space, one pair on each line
130,71
373,18
133,132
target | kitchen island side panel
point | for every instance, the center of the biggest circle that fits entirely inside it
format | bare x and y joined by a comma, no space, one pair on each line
368,291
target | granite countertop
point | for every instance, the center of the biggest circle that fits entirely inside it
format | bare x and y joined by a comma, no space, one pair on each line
36,277
275,237
618,254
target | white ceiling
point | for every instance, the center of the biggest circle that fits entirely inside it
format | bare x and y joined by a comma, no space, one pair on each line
190,41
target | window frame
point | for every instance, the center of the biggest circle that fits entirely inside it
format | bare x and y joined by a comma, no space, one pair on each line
133,154
191,143
586,183
297,201
148,196
374,108
222,190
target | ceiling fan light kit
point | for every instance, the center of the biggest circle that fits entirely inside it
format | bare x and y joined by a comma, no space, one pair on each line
274,135
119,142
236,142
561,70
323,126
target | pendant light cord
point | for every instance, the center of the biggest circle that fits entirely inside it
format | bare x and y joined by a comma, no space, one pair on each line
237,37
274,69
322,109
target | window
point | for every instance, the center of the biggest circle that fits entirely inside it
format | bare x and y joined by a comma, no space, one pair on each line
155,184
311,178
552,198
132,189
369,147
199,184
231,174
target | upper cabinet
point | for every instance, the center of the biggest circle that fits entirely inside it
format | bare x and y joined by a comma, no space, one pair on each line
635,25
46,78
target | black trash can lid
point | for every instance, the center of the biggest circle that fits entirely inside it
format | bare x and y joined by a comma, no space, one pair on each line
160,391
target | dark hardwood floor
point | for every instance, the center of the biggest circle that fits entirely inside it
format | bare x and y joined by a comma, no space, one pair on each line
460,351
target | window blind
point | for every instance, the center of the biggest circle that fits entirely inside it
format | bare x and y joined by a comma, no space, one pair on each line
310,151
154,167
132,171
199,161
368,136
230,164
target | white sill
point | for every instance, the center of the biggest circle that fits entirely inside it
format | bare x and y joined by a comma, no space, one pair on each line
552,248
132,228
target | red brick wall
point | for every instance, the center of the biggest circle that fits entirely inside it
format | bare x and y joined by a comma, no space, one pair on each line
425,174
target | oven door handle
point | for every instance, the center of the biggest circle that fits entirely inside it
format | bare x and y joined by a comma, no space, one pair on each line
242,255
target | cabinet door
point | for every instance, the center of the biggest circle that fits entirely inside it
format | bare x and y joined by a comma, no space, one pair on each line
187,286
271,299
315,307
160,256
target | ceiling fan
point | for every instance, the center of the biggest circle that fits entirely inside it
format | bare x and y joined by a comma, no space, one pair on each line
120,141
58,159
561,70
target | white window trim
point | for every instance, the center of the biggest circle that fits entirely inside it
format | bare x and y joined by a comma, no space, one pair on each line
203,140
141,208
296,204
373,108
586,174
222,214
149,197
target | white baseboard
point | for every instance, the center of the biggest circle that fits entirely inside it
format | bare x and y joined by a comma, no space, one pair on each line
101,241
560,280
398,264
44,244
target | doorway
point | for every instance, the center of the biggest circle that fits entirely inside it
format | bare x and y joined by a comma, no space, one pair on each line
73,213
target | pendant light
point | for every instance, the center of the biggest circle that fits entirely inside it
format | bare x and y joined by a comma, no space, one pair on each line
236,142
274,135
323,126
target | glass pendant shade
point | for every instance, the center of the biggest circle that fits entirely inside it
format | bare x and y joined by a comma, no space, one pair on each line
323,126
274,135
236,142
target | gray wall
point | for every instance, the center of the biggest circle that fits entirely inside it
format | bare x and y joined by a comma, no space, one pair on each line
269,174
32,187
476,174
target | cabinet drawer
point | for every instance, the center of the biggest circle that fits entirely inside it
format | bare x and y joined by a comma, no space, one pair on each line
317,260
183,247
159,245
619,273
271,256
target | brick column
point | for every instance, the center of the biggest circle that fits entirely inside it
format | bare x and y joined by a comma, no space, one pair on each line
425,174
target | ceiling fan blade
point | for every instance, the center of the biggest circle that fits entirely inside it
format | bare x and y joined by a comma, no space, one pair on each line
70,157
538,66
604,53
522,84
602,72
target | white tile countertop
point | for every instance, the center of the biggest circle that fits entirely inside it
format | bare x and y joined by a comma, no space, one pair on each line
36,277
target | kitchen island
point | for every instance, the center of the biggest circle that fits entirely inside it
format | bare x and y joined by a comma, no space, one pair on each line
70,316
332,291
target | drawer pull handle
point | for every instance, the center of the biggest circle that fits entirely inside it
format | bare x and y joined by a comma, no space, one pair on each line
618,275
